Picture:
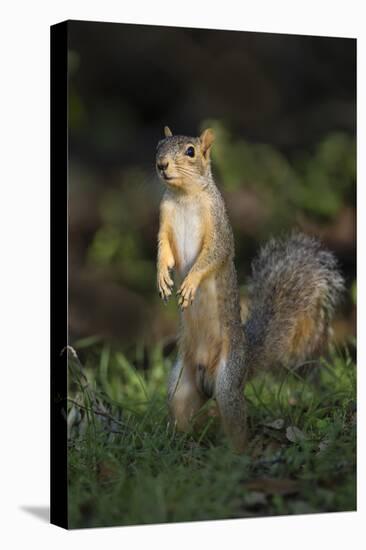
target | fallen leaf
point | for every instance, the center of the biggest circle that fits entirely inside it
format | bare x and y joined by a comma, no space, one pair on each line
323,445
302,507
276,424
295,435
273,486
254,499
106,470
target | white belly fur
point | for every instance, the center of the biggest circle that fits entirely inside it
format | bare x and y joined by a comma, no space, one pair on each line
200,320
187,235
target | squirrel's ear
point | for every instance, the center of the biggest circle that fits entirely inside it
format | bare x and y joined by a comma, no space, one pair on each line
167,131
207,138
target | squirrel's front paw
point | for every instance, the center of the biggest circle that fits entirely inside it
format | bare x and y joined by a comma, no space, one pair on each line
188,290
165,284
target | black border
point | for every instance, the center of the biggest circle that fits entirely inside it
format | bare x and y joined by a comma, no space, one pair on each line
59,287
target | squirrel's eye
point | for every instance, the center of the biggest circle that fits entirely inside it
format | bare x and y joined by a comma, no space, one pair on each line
190,151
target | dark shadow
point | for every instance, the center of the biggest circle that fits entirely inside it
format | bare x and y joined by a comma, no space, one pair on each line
41,512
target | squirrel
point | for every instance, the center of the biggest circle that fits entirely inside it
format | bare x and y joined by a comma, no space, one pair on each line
293,291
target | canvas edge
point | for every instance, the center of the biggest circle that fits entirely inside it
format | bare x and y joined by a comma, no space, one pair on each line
59,286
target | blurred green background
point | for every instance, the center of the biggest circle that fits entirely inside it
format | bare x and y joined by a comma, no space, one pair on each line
283,108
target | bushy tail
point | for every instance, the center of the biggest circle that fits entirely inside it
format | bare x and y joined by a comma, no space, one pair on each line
294,289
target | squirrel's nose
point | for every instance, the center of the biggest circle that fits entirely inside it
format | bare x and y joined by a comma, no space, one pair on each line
162,165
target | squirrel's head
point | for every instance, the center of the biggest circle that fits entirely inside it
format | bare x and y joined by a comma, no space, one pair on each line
184,162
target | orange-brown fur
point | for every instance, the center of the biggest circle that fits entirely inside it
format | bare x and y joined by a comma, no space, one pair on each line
294,288
195,240
305,329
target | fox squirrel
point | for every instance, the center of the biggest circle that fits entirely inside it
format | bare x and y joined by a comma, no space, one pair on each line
294,288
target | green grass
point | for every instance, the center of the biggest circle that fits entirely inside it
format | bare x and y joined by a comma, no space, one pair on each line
127,465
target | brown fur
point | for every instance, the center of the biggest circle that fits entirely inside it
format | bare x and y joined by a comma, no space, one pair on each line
294,289
305,330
